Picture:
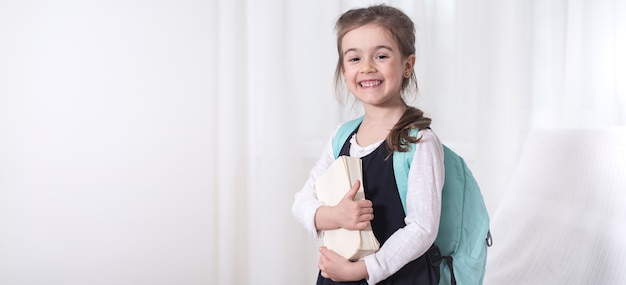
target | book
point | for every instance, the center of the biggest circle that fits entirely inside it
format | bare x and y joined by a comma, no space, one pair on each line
331,187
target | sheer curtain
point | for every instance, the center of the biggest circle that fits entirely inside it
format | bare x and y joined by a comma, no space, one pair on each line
162,142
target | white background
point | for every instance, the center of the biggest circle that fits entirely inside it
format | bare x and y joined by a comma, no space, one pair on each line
161,142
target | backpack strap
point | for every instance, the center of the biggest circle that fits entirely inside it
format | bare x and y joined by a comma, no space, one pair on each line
342,134
449,260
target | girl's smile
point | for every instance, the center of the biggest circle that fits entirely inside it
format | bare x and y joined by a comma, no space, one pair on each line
370,83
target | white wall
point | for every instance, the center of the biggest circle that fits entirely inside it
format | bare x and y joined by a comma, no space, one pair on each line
106,165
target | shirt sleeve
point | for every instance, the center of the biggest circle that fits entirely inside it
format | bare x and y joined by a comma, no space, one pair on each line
305,202
423,202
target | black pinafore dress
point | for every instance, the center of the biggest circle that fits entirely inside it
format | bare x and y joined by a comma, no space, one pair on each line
380,187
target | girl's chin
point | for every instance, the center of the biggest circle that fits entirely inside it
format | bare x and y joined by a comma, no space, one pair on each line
379,99
380,103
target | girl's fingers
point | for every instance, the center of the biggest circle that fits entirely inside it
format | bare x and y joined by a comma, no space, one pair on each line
368,210
366,218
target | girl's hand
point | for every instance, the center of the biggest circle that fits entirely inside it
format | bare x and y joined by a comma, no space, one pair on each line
337,268
347,214
353,215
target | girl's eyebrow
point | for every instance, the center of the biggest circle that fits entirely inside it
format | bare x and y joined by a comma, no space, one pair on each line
349,50
375,48
383,46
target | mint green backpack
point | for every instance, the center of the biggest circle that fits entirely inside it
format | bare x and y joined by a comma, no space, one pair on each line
463,235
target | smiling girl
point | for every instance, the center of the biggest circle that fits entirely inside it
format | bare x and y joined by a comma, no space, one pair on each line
376,48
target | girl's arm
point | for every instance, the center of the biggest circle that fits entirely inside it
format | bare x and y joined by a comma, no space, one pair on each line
423,202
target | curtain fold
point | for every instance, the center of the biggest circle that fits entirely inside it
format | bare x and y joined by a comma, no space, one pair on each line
231,154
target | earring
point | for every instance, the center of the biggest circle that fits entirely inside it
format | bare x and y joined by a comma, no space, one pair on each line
407,74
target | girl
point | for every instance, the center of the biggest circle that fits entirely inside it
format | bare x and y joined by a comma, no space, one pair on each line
376,47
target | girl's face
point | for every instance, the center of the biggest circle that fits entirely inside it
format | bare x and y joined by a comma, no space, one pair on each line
373,65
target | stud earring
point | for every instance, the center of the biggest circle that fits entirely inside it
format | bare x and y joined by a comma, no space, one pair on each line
407,74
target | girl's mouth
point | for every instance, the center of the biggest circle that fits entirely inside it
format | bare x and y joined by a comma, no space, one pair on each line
369,83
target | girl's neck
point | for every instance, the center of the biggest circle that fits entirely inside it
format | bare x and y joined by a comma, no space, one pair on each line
377,123
384,115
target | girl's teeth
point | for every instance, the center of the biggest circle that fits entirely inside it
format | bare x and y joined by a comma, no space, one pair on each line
370,83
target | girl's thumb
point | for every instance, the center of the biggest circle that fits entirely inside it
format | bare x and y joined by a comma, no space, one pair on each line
352,192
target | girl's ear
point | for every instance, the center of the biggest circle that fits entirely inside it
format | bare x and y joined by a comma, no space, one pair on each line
410,63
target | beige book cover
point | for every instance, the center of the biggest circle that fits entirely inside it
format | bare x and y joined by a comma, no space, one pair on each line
331,187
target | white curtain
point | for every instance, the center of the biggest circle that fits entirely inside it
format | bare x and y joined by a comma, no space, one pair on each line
161,142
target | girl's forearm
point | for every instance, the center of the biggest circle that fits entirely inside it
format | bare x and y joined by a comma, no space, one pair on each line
324,219
359,270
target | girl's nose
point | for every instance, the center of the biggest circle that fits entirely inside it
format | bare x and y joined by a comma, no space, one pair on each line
367,66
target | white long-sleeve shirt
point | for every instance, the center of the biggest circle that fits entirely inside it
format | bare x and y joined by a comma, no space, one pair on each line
423,205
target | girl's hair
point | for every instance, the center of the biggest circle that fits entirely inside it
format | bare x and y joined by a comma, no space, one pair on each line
402,30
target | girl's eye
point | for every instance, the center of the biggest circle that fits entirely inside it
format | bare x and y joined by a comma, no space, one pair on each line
353,59
382,56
